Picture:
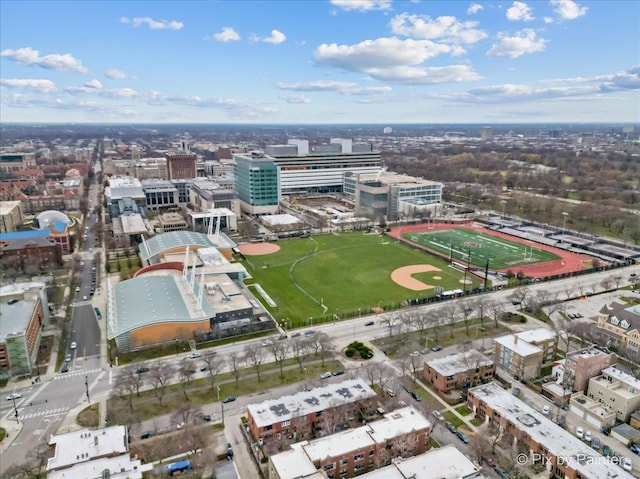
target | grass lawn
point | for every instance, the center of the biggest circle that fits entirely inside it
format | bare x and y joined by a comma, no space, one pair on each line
344,275
476,422
463,411
452,418
476,247
89,416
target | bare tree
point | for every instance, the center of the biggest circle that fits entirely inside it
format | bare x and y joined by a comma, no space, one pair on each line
390,321
421,322
435,319
467,309
326,345
482,305
214,367
186,414
235,361
185,373
254,356
370,371
481,446
566,331
125,386
496,309
416,362
279,350
160,374
451,312
519,296
299,347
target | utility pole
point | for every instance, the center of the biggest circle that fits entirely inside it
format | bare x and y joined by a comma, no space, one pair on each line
15,408
86,385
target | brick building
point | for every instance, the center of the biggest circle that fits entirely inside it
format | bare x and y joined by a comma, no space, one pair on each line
181,166
402,433
582,366
458,371
20,333
308,413
538,437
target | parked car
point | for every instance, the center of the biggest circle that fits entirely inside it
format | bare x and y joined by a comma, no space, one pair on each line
626,464
635,449
295,335
229,399
282,336
545,410
425,351
339,372
416,396
437,415
325,375
435,349
195,355
73,345
595,444
369,323
462,436
501,472
309,332
516,392
65,368
67,358
402,404
206,417
98,313
587,436
142,370
580,432
147,434
451,427
606,450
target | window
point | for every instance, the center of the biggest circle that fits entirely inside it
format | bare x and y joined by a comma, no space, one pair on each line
371,453
285,423
358,467
343,472
328,467
268,428
343,461
358,457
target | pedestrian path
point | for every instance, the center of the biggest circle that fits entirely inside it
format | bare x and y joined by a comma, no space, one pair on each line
82,372
47,412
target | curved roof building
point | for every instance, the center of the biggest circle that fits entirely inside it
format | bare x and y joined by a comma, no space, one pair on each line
52,220
152,251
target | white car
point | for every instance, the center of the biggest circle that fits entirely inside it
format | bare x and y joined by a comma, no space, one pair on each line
73,345
580,432
437,415
626,464
14,395
587,436
195,355
325,375
545,410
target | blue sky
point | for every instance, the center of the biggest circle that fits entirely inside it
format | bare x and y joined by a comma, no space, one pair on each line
320,61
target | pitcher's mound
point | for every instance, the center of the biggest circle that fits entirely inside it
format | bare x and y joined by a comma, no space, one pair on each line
257,249
404,276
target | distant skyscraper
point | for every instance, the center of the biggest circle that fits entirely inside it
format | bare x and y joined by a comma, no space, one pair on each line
486,133
387,130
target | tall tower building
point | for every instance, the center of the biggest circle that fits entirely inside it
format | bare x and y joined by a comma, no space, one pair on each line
486,133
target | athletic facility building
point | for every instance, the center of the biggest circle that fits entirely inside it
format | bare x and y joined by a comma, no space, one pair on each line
188,290
263,178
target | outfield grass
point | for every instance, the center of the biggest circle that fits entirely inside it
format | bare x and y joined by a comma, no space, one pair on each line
476,247
344,275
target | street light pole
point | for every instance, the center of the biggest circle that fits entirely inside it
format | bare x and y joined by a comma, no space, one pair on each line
15,408
86,385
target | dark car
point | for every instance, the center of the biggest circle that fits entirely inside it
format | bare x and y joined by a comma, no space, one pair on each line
141,370
416,396
98,313
462,436
501,472
295,335
451,427
206,417
282,336
606,450
435,349
339,372
369,323
229,399
65,368
147,434
309,332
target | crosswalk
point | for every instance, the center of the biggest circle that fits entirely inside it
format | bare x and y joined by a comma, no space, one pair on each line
47,412
71,374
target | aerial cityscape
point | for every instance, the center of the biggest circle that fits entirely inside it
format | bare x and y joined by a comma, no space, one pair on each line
320,239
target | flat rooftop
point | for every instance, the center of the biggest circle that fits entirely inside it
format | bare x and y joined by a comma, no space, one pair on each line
85,445
537,335
308,402
459,362
560,443
623,377
517,345
15,317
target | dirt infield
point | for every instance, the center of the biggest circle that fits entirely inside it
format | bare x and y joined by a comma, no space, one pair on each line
258,249
404,276
570,262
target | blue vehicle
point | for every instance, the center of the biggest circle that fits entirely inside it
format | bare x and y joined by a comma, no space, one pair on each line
462,436
178,467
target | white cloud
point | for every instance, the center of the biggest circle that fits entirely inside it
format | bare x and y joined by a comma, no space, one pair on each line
153,24
93,84
296,99
519,11
548,20
276,37
409,75
345,88
227,34
568,9
522,43
115,74
445,29
474,8
42,86
362,5
53,61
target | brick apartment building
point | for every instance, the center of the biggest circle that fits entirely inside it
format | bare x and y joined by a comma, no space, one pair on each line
582,366
537,436
181,166
307,414
458,371
522,354
401,433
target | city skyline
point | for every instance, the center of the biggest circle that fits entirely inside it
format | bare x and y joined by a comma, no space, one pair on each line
333,61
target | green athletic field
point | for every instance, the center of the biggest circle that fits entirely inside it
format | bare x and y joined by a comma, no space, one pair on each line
476,247
349,272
